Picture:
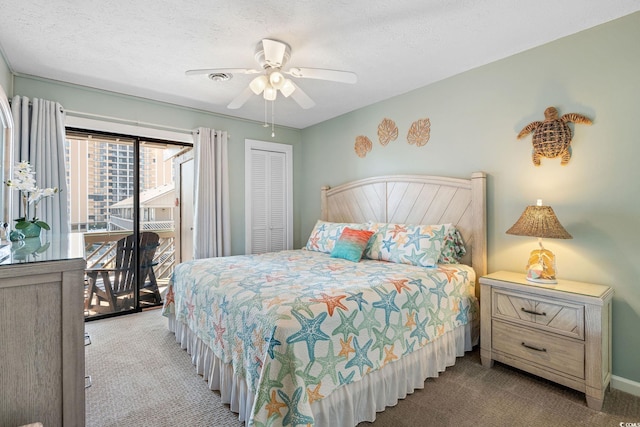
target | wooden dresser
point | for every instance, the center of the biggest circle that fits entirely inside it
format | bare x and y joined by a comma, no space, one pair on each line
42,337
561,332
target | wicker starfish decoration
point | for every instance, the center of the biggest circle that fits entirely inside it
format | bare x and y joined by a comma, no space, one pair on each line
552,137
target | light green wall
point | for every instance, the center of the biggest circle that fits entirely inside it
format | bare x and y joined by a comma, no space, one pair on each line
6,78
475,117
86,100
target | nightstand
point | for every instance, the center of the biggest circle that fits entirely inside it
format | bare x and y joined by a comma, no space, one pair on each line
560,332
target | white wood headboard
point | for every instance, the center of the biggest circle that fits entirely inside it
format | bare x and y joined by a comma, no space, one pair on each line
417,199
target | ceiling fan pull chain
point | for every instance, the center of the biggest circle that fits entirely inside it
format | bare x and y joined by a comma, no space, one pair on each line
273,115
265,115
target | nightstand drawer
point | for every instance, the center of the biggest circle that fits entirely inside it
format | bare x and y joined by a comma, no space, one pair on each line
538,312
546,350
566,338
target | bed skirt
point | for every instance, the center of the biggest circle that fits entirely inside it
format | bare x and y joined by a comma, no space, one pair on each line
350,404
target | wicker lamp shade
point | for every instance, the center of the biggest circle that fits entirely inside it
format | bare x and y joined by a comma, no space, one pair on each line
539,221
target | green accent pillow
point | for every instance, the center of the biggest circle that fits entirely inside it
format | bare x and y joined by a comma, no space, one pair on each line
453,248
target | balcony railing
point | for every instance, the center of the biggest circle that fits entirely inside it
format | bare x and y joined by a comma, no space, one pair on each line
127,224
100,250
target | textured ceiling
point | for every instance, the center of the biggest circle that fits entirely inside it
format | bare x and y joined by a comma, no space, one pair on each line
144,47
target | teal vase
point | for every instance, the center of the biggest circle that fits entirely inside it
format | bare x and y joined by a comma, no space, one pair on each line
16,235
32,230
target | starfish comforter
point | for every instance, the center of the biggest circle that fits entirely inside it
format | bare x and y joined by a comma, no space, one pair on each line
298,325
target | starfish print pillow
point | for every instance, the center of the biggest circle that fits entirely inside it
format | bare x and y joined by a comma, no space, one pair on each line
412,244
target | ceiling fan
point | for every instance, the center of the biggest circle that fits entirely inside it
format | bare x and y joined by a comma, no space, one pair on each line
272,56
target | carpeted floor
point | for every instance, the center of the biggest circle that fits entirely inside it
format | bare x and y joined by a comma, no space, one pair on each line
141,377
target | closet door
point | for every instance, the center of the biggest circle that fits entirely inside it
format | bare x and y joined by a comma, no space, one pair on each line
268,209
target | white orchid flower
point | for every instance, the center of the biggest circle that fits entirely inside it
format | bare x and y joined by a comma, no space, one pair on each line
38,194
24,180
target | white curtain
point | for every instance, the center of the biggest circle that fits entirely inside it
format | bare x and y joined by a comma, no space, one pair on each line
39,137
212,229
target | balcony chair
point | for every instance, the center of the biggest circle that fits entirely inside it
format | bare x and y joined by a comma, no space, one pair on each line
116,286
149,292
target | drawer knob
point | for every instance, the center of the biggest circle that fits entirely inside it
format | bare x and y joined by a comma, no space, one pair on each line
534,348
533,312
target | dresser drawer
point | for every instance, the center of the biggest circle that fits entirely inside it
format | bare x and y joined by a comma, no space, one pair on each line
538,312
546,350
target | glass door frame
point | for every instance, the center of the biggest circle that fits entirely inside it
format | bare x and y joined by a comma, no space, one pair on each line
138,141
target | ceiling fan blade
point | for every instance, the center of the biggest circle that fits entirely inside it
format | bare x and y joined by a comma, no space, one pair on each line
240,99
323,74
302,98
222,70
273,52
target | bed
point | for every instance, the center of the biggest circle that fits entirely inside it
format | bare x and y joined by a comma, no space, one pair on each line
313,337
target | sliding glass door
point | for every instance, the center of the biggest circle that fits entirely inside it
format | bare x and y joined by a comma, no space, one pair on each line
122,193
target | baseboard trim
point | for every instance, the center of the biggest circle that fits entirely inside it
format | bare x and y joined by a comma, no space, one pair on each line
623,384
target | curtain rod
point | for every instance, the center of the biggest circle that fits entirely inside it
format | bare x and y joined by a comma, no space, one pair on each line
129,121
31,104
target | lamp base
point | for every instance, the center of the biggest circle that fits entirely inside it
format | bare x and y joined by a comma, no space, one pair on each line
542,267
542,281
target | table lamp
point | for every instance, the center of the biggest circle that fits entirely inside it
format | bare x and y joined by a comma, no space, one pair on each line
541,222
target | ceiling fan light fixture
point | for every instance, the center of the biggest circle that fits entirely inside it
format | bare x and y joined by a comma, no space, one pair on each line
271,77
276,79
259,84
287,88
270,93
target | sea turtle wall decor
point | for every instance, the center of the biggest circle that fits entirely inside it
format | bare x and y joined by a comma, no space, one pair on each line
552,137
